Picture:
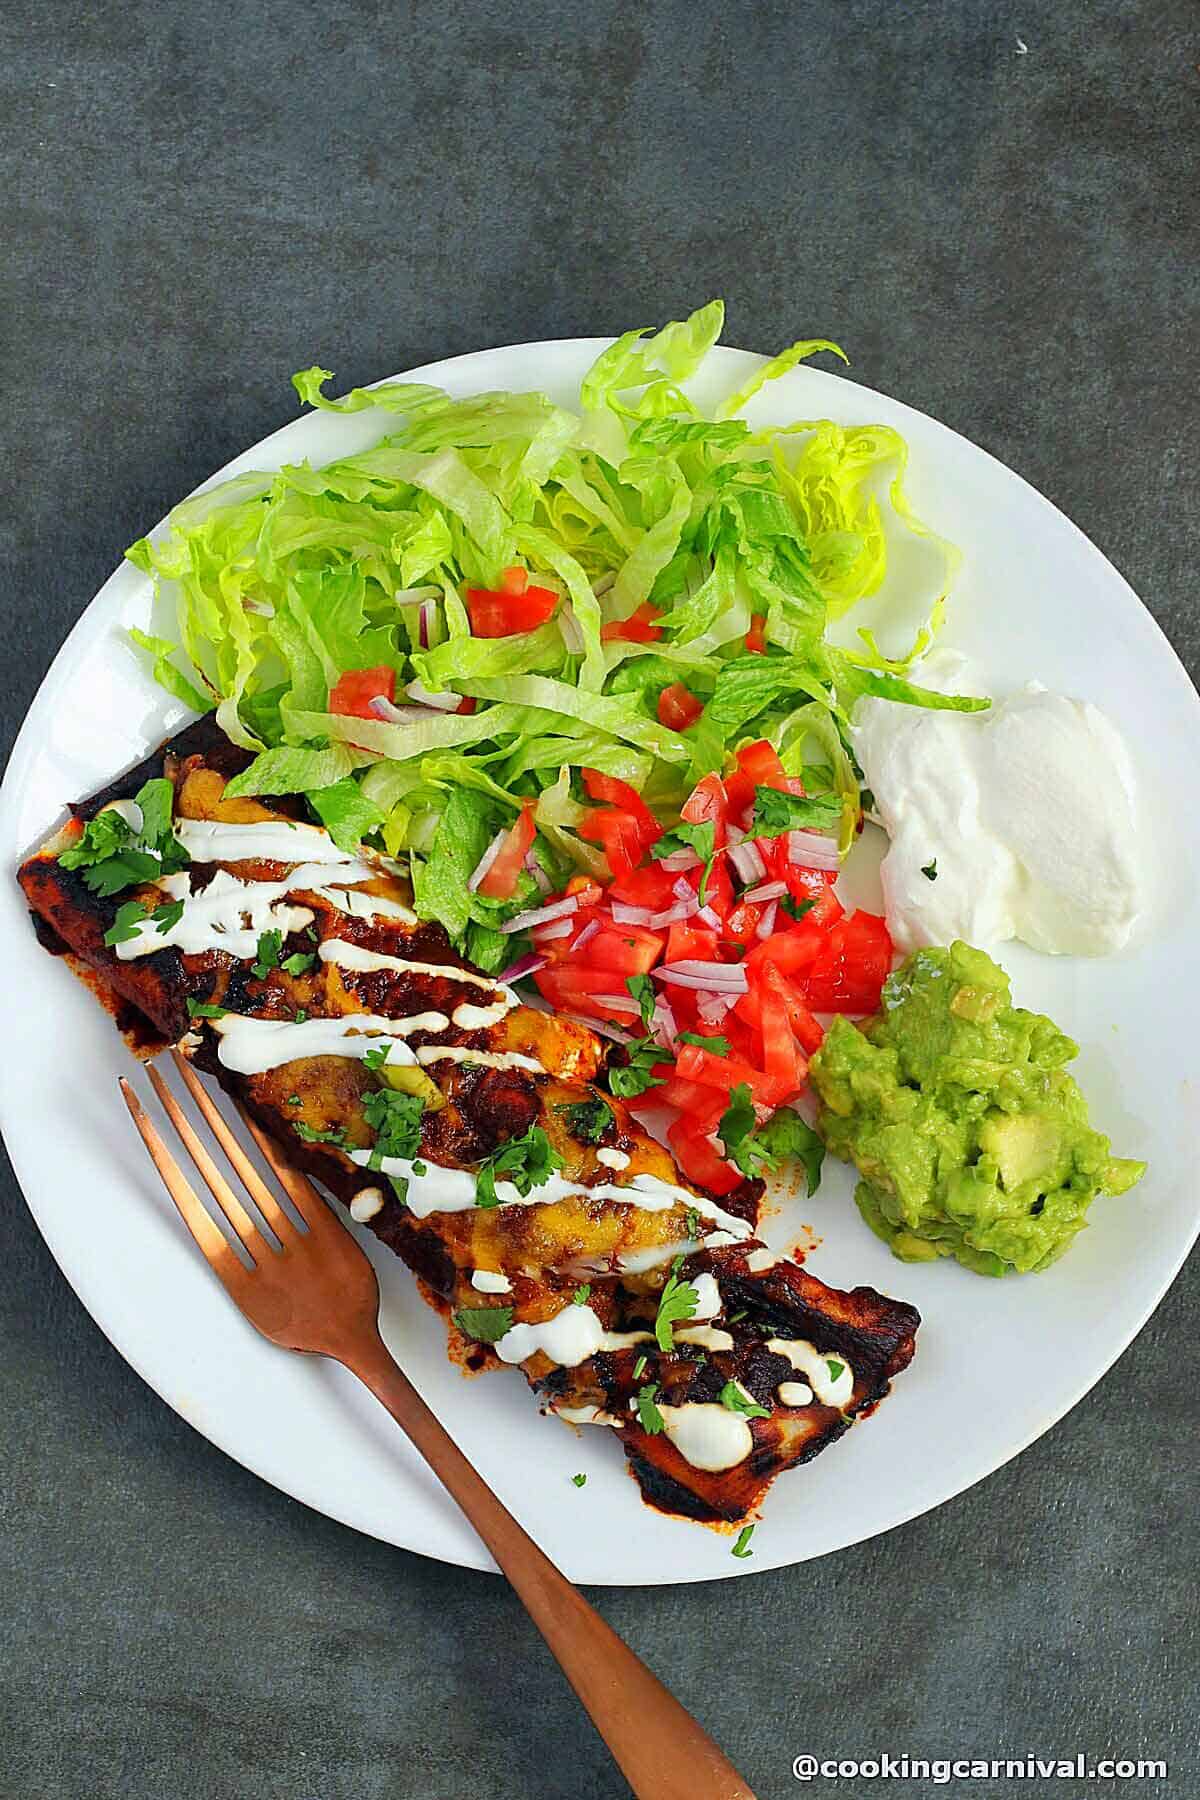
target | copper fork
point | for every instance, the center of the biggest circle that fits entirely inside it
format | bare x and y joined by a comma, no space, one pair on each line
318,1292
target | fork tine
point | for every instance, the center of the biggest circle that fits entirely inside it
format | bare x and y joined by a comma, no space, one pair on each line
251,1237
194,1215
259,1192
299,1189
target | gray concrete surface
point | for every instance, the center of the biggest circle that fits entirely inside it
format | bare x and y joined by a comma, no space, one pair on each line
995,207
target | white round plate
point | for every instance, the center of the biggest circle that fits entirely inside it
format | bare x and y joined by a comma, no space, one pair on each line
997,1361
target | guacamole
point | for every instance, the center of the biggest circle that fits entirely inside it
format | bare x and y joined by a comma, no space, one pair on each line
971,1138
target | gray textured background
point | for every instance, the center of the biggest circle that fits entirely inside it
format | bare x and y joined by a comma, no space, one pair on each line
202,198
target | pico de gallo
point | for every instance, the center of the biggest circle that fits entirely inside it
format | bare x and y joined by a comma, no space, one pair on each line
710,951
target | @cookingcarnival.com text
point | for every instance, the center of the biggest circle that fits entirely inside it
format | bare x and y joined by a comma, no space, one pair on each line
943,1769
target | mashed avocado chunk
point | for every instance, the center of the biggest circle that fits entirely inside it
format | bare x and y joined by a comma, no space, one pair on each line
956,1108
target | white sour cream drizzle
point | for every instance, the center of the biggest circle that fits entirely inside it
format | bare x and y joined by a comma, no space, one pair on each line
439,1189
708,1296
794,1393
366,1203
267,840
252,1046
612,1159
830,1390
708,1337
357,958
487,1059
228,915
478,1018
487,1281
568,1339
706,1434
587,1415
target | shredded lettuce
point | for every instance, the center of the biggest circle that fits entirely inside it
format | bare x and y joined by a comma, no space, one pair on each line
284,582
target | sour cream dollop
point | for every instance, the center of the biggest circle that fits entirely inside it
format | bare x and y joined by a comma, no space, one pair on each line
1018,822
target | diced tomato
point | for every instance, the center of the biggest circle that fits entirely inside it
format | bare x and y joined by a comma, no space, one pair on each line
619,793
354,691
505,614
758,765
851,970
815,885
690,942
501,879
678,707
702,1105
781,1055
638,628
742,923
790,950
584,889
699,1161
467,704
514,580
569,988
706,801
806,1029
618,834
726,1073
653,887
626,949
756,637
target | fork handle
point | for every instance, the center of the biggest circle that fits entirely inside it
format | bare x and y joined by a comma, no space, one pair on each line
659,1747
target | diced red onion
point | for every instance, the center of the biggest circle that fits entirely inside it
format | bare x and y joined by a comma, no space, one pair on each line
812,850
713,1007
599,1027
717,974
485,862
711,919
444,702
766,924
770,890
541,879
602,583
681,859
572,632
529,964
683,890
618,1002
663,1025
545,934
587,934
733,836
630,915
423,626
383,709
702,983
675,915
263,608
747,860
541,915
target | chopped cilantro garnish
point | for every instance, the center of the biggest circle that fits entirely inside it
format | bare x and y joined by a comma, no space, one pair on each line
299,1016
588,1120
651,1419
732,1396
396,1121
929,870
642,990
298,963
699,838
776,811
796,909
336,1135
270,943
375,1059
692,1221
295,1100
400,1188
742,1547
835,1368
639,1367
579,1480
718,1045
167,916
678,1300
204,1009
486,1324
111,855
582,1295
737,1123
124,927
757,1153
628,1080
527,1162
